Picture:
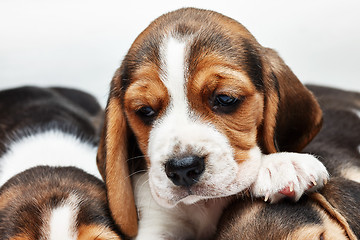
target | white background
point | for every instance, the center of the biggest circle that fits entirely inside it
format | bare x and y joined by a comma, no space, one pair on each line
80,43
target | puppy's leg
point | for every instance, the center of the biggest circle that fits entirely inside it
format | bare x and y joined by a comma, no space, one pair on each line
288,174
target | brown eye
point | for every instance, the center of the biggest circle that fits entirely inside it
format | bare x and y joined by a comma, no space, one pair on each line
223,103
147,114
225,100
146,111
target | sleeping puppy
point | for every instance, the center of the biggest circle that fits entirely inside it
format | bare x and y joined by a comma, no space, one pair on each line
198,112
331,214
50,186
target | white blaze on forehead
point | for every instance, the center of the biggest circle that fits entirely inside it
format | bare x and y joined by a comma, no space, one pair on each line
179,131
63,220
176,126
173,71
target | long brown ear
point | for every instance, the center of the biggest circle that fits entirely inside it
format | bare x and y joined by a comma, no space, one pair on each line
292,116
112,163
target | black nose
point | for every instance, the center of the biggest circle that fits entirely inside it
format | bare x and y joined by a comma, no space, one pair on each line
185,171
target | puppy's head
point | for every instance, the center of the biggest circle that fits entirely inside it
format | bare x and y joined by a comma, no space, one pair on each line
201,97
329,215
47,202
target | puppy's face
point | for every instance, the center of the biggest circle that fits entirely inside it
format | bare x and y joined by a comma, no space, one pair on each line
195,112
202,99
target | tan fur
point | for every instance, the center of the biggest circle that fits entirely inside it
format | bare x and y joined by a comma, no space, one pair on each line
87,232
254,218
31,194
21,237
352,173
147,91
241,126
119,190
256,122
333,212
309,232
334,226
8,195
296,108
98,232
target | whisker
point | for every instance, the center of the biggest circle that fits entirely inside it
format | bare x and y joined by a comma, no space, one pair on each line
143,184
137,157
139,171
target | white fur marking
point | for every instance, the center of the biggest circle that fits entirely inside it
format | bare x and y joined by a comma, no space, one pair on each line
181,222
357,112
51,148
180,129
173,61
63,220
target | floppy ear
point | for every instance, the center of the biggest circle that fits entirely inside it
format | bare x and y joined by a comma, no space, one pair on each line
292,116
112,163
342,195
323,202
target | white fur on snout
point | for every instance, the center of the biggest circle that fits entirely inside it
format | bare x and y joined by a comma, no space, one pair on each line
184,137
180,132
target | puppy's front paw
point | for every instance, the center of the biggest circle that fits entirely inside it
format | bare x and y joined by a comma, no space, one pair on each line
289,174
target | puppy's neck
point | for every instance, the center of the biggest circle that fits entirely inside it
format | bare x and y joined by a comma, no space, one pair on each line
50,148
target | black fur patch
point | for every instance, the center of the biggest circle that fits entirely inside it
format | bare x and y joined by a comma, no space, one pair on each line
28,110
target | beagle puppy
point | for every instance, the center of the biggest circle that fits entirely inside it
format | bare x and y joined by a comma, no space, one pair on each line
197,112
49,184
331,214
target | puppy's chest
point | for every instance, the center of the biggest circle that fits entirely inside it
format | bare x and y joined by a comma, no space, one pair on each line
195,221
203,216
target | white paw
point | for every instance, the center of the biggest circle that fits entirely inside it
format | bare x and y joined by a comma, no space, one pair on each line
288,175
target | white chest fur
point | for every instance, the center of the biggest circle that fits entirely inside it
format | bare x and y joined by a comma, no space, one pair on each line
182,222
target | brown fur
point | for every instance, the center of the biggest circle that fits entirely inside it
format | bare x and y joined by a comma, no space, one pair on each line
96,232
147,91
332,214
315,217
28,199
278,113
36,192
119,191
